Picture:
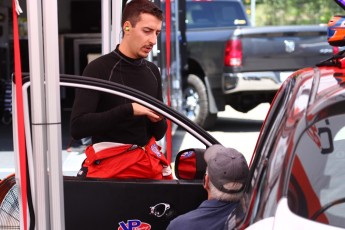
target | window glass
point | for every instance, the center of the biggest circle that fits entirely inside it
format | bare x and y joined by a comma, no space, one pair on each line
214,14
73,151
316,188
263,179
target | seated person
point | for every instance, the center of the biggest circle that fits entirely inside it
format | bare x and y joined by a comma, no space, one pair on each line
225,178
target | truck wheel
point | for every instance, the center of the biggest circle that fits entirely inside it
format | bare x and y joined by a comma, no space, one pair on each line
195,103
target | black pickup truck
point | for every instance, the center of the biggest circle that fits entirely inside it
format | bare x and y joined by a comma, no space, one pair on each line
230,62
225,60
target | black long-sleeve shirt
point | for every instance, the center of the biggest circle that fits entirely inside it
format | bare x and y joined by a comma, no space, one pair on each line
109,118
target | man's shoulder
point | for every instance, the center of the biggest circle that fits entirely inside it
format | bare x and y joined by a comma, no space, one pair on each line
101,58
99,66
150,64
185,218
180,221
153,67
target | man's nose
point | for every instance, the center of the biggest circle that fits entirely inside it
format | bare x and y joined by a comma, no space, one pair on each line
153,39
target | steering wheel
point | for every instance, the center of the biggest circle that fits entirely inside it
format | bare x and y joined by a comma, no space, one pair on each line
327,206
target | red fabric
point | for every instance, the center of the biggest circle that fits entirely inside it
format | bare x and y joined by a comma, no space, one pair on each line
123,162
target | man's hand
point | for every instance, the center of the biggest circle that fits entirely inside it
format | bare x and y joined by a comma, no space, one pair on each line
139,110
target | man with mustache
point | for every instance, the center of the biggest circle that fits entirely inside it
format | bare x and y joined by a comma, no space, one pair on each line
118,125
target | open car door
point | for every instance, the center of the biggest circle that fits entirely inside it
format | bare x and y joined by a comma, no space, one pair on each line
126,203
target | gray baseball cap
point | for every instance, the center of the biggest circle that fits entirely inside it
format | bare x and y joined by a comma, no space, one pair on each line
226,165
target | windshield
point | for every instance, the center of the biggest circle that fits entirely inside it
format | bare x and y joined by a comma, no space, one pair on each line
214,14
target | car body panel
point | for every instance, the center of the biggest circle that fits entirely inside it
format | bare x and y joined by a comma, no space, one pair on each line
279,166
286,220
110,203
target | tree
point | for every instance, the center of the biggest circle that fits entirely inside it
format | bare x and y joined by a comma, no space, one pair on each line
295,12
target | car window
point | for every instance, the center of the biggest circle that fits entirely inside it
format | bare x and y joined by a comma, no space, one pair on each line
266,146
212,14
316,188
179,195
73,150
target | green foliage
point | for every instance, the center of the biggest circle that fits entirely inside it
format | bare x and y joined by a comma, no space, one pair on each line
294,12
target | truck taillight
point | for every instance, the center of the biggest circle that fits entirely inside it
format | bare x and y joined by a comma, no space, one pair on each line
233,53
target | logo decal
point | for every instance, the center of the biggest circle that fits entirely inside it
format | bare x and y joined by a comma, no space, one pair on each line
289,46
155,149
134,225
188,154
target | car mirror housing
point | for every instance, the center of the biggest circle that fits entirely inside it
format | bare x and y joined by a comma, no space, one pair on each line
190,164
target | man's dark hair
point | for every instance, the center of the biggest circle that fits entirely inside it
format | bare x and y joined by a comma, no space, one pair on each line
134,8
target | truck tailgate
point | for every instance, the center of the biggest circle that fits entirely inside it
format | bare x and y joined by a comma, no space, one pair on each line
282,48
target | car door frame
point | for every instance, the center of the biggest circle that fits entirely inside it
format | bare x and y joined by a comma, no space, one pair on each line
77,201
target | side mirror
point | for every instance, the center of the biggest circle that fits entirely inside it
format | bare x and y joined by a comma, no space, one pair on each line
190,164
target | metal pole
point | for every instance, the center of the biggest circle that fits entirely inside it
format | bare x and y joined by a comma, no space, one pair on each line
51,63
39,179
116,23
252,11
177,83
106,26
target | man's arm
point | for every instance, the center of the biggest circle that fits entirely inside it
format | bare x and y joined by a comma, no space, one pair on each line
86,121
158,124
158,129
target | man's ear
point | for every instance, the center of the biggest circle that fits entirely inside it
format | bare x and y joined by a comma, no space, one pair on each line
205,181
126,26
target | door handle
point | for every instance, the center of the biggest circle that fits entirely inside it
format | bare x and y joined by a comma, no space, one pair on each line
162,210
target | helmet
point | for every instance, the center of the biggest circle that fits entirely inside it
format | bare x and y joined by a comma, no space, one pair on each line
336,31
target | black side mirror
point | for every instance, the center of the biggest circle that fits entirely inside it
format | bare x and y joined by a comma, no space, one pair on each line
190,164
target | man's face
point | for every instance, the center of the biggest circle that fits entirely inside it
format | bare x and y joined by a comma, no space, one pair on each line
144,35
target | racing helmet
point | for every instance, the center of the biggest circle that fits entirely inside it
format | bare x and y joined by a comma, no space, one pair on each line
336,31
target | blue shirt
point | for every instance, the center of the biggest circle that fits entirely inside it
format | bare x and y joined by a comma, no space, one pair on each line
211,214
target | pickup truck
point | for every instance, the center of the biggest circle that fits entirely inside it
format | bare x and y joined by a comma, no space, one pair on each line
230,62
